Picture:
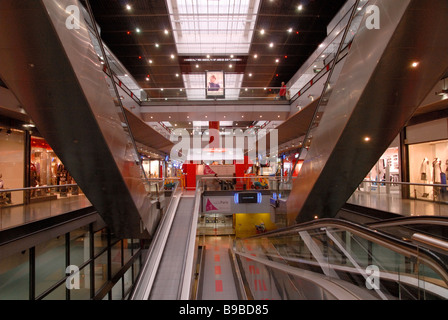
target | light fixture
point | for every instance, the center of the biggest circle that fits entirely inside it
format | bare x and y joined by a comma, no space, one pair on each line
300,7
172,56
415,64
147,79
276,60
138,30
150,61
250,74
255,56
366,139
271,44
262,31
177,75
231,56
197,66
128,7
157,45
290,30
208,56
230,66
166,31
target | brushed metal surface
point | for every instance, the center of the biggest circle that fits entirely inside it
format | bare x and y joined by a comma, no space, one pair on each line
55,74
376,94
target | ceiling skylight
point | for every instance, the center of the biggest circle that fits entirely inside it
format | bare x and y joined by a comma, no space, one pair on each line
213,27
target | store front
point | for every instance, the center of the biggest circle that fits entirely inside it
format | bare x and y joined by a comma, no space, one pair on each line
428,159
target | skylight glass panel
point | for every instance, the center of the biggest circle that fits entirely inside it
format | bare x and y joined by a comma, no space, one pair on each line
217,27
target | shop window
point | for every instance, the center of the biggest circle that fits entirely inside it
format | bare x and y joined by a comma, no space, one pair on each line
12,164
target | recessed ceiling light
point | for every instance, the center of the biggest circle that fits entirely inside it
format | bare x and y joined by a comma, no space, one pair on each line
250,74
128,7
231,56
150,61
276,60
166,31
415,64
245,89
262,31
230,66
208,56
157,45
138,30
290,30
255,56
147,79
300,7
197,66
172,56
161,89
177,75
271,44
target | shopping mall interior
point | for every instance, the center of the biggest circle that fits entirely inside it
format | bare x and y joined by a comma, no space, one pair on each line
223,150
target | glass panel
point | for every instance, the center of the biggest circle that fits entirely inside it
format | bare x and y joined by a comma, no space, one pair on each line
100,271
127,249
100,241
50,263
117,290
127,278
14,277
79,246
136,268
58,294
116,257
83,293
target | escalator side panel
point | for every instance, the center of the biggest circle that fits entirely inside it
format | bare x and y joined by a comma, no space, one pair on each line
376,94
56,75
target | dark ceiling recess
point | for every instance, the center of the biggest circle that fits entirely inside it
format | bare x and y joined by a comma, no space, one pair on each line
135,49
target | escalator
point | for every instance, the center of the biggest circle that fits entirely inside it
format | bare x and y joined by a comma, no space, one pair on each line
49,62
167,272
336,259
389,70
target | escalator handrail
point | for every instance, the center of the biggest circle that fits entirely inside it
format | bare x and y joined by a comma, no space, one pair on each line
143,285
401,221
397,245
187,272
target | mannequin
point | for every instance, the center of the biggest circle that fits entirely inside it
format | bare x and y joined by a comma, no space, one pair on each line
437,169
425,173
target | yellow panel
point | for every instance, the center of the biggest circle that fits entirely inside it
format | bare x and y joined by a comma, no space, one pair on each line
245,223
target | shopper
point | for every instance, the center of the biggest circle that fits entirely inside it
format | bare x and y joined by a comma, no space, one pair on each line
282,92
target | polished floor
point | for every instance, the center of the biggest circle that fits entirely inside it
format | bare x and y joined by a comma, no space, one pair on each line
218,281
394,203
16,215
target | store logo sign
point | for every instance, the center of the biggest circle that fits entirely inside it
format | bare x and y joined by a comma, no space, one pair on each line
73,279
73,20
